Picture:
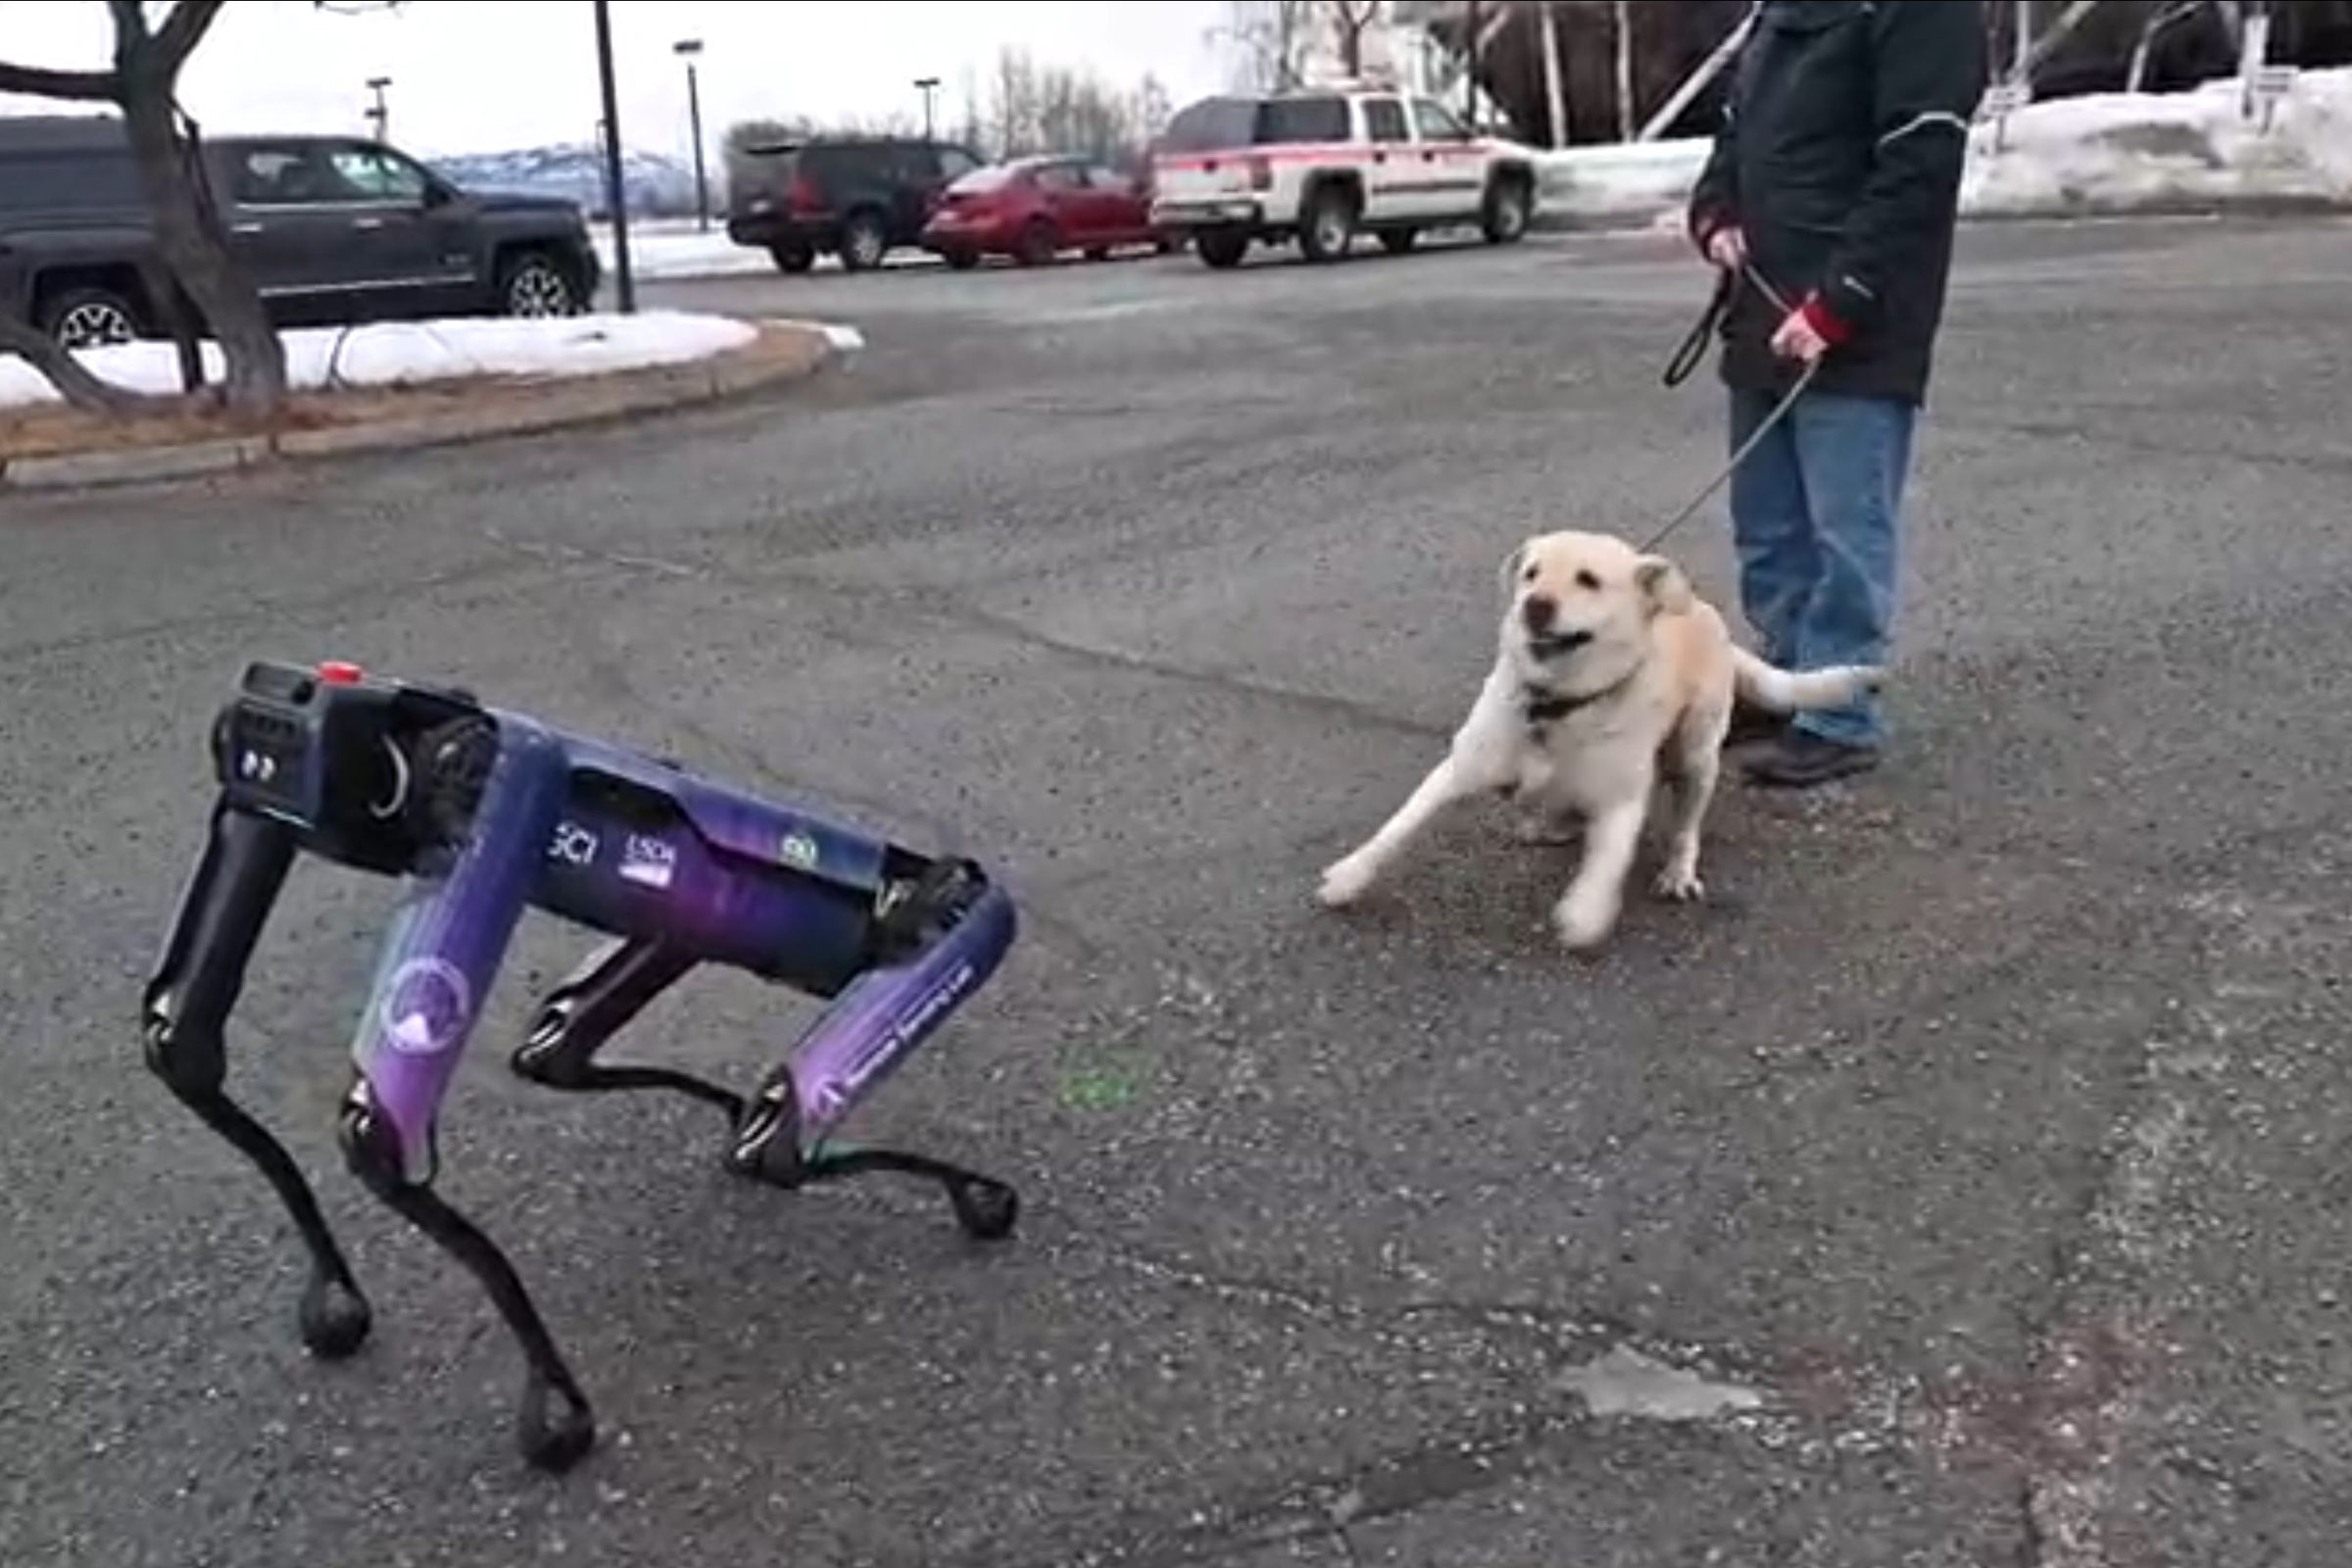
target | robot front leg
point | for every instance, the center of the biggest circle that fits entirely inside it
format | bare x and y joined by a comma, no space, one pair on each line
186,1015
959,927
436,970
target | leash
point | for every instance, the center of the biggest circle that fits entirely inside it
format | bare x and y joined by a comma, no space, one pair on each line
1692,350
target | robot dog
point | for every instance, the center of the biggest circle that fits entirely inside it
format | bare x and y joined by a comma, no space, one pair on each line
486,814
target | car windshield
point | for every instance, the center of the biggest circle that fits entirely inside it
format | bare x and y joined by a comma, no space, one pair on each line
981,180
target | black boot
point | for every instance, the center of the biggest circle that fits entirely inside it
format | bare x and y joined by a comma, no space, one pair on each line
1801,760
1751,725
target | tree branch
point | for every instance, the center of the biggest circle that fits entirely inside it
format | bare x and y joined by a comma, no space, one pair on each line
131,22
78,386
36,82
184,30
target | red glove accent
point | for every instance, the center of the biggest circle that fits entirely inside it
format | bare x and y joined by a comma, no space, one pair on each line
1819,318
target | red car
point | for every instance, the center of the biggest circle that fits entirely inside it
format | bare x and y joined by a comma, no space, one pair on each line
1033,209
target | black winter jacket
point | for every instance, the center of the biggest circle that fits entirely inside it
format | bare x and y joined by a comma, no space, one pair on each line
1839,155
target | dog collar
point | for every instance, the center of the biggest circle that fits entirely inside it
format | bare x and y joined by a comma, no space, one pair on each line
1540,706
1544,707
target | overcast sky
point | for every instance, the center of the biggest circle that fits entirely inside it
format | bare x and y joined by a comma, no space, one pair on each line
481,75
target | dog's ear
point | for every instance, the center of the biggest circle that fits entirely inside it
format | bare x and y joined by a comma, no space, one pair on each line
1508,577
1663,586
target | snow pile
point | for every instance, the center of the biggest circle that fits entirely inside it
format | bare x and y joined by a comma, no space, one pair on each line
397,352
1631,182
2124,152
2101,152
680,250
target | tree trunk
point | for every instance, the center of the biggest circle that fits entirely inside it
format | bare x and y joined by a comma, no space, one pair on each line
1624,13
187,234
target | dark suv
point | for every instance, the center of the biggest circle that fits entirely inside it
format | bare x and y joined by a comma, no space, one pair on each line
331,230
857,199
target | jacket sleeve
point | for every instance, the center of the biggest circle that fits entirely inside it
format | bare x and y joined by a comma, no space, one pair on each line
1929,67
1715,198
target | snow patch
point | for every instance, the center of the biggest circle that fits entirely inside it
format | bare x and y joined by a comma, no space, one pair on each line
400,352
2100,153
2124,152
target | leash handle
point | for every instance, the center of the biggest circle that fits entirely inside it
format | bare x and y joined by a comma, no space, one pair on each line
1693,348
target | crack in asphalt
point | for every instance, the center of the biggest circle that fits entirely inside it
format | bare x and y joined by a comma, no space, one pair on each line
1580,1359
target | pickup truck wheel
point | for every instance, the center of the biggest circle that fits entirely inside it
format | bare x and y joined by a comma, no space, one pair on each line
89,319
1505,220
863,243
1222,248
532,284
1328,227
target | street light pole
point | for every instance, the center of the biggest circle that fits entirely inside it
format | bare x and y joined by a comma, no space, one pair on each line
616,196
381,113
927,86
687,49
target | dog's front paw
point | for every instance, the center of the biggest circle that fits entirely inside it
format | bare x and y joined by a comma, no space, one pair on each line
1680,884
1584,923
1345,882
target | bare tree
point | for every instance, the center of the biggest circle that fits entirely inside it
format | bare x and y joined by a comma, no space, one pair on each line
188,235
1273,36
1013,113
2135,74
1622,16
1350,20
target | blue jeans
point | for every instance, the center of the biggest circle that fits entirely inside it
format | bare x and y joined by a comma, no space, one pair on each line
1815,511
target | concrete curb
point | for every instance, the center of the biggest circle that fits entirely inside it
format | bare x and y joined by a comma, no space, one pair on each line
614,395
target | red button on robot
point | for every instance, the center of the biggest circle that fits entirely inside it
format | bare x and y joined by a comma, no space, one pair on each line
335,672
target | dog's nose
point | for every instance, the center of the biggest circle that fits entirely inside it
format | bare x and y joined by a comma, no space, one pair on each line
1538,613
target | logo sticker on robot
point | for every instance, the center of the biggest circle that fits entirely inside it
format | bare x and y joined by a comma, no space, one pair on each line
426,1008
573,844
798,848
649,863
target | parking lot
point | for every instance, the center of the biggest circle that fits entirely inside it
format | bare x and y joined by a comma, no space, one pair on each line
1963,1184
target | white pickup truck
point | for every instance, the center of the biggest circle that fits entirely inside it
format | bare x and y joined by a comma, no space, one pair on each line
1322,166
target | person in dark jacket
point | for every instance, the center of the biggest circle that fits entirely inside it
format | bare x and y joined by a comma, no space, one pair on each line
1835,175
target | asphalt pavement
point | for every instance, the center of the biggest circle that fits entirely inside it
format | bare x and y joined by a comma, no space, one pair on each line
1967,1182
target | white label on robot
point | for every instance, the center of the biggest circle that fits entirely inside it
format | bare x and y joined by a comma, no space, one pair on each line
648,861
426,1008
892,1041
574,844
798,848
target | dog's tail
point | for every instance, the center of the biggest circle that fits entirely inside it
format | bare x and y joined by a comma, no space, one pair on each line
1781,691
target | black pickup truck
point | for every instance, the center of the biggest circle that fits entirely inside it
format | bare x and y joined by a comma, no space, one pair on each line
331,230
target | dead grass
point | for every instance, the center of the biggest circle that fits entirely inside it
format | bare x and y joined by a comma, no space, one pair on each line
53,429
